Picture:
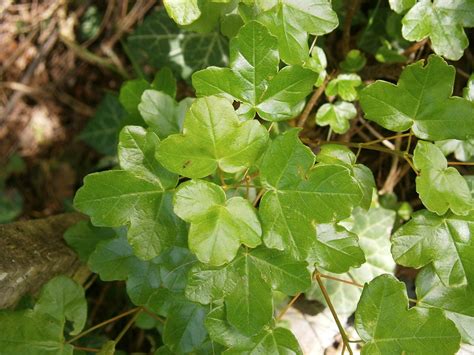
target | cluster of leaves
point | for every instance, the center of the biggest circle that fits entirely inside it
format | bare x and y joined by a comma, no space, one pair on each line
214,212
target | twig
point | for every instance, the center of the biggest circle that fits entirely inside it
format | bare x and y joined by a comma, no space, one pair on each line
288,306
97,326
258,197
345,339
43,52
312,102
128,325
92,350
346,35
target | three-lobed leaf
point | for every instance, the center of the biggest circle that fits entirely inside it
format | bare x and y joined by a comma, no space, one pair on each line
442,241
386,324
440,187
421,101
218,226
213,137
254,79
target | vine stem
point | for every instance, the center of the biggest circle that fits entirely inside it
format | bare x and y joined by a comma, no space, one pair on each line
97,326
128,325
345,339
288,306
91,350
312,102
467,163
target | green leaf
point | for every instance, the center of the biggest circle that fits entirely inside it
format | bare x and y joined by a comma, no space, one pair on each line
441,21
102,130
385,323
318,63
373,228
136,153
250,305
11,204
440,187
83,237
254,79
468,91
463,150
41,330
130,94
213,138
344,86
440,240
183,12
108,348
456,302
328,193
158,42
336,249
175,264
218,227
113,259
117,197
184,329
160,112
206,284
421,101
278,341
341,155
222,332
355,60
337,116
400,6
291,22
164,81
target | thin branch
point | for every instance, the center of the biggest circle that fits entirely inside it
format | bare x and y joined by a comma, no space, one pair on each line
312,102
97,326
288,306
346,34
466,163
345,339
128,325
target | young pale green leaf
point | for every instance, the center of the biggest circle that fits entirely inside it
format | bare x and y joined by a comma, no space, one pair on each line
213,137
254,79
440,187
440,240
344,86
183,12
355,60
373,228
278,341
421,100
291,22
385,323
136,154
317,62
456,302
399,6
442,21
341,155
336,249
463,150
218,227
83,237
468,91
41,330
337,116
162,113
164,81
103,129
118,197
158,42
328,192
